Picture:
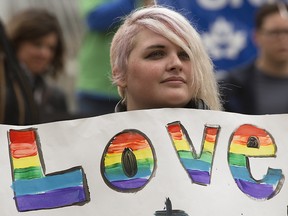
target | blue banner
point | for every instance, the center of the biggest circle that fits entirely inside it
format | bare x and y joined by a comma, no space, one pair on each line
226,27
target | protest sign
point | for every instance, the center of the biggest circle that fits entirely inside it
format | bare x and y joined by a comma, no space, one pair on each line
150,162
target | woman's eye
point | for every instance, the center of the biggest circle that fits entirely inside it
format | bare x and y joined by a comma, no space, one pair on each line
155,54
183,55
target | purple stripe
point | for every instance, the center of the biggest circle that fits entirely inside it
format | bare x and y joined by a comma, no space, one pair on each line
199,177
51,199
130,184
256,190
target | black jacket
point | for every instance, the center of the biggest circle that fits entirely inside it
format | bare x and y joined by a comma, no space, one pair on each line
17,105
237,90
199,104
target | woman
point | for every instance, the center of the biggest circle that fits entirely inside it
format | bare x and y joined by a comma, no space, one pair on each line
36,38
17,105
158,60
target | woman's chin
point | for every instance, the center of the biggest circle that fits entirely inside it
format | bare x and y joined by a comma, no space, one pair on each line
175,103
177,100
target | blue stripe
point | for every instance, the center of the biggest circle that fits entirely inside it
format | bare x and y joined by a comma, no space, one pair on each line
272,177
196,164
48,183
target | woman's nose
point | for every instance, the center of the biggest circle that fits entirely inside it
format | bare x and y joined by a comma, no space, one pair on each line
174,63
45,52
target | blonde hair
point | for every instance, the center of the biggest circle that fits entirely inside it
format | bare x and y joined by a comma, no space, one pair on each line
178,30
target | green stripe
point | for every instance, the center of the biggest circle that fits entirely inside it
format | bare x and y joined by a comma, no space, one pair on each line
205,156
237,159
28,173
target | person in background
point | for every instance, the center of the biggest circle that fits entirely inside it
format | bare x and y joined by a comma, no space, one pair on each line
17,105
260,87
158,61
95,94
36,37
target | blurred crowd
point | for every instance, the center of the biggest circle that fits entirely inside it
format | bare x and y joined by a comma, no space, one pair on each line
34,52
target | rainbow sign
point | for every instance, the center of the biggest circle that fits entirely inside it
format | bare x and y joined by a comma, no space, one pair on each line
251,141
198,167
140,161
34,190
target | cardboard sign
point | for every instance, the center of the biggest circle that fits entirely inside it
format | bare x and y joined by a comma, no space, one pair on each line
150,162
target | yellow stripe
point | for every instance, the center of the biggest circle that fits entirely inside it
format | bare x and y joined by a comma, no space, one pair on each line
111,159
262,151
209,146
181,145
26,162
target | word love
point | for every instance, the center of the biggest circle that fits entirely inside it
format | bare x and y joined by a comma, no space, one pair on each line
129,161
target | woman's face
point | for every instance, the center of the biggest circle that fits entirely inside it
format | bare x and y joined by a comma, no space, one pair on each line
272,39
158,74
37,55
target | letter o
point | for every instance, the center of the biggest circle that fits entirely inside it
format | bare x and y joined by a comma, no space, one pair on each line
128,161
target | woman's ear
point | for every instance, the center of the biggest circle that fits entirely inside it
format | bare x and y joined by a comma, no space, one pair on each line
119,78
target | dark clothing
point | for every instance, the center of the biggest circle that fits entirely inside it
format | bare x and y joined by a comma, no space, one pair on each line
49,103
17,105
50,100
92,105
25,103
199,104
248,90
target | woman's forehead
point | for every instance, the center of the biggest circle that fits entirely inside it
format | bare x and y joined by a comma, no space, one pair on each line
147,37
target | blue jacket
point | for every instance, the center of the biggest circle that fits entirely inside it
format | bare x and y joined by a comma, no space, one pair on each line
101,17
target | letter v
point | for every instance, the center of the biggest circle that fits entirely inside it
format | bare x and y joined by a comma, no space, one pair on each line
198,167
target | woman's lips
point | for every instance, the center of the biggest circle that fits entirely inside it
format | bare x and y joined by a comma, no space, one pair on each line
174,79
